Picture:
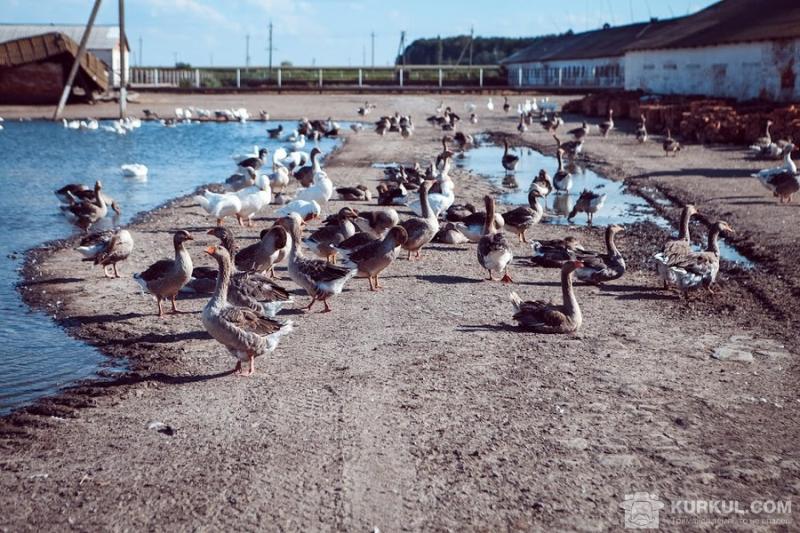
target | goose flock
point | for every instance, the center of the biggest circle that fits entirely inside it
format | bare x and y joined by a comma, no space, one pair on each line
324,249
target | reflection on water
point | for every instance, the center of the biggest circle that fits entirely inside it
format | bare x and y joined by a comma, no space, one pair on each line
621,207
37,357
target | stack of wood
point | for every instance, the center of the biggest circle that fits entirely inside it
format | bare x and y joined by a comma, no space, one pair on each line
696,119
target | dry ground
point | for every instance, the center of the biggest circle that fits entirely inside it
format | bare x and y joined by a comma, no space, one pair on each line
422,407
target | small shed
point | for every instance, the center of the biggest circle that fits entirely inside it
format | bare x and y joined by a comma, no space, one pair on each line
33,70
103,42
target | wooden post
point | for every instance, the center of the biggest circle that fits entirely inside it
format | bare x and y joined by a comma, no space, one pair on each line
480,77
280,77
559,76
197,77
320,78
156,81
440,77
360,78
519,76
238,78
401,77
74,70
123,66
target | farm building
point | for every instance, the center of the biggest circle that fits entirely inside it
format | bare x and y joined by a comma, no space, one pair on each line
593,59
33,70
103,41
741,49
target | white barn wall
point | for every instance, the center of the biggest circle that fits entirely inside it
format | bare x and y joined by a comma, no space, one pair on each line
570,73
744,71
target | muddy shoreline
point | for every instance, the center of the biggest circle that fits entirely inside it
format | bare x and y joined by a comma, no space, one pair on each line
418,408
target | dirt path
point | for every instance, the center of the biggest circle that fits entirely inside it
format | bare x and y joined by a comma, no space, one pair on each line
417,408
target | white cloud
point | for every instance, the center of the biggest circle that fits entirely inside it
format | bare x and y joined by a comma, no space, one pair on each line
194,7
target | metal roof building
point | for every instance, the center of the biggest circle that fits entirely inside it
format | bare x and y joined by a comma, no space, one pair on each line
740,49
103,41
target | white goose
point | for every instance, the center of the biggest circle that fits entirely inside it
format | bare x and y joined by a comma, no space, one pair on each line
322,188
220,206
306,210
254,199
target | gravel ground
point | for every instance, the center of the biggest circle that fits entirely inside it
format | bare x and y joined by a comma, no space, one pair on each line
422,407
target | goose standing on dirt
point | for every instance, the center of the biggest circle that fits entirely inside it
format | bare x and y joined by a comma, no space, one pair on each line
675,249
107,248
220,206
377,223
506,105
544,317
607,125
320,279
589,202
509,161
373,258
562,179
670,145
521,127
521,219
494,251
321,190
490,105
306,210
700,268
359,193
580,132
323,241
641,130
600,268
165,278
783,181
245,333
237,182
420,231
271,249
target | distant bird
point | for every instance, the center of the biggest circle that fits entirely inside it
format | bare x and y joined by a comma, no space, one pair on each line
255,162
107,248
580,132
641,130
607,125
670,145
521,127
589,202
783,181
490,105
275,133
506,105
494,251
509,161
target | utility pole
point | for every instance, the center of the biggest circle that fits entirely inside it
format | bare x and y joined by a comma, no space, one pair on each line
74,70
270,48
401,48
247,52
471,40
373,48
123,48
140,51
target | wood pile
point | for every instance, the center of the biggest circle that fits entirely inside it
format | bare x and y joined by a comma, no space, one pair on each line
696,119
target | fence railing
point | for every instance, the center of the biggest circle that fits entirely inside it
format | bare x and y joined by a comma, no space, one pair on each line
316,77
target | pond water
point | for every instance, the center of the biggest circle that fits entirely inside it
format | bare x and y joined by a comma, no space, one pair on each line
37,357
621,206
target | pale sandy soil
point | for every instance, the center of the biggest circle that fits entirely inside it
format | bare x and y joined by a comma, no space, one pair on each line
422,407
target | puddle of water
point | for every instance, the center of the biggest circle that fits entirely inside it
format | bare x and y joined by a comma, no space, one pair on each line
621,206
37,357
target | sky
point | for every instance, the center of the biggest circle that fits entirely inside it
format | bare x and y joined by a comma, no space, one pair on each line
328,32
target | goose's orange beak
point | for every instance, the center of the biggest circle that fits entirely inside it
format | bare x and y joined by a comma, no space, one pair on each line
211,250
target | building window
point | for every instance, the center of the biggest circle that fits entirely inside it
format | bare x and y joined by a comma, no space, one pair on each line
670,66
649,66
693,66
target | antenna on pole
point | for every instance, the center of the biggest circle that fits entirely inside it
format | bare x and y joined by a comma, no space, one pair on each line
247,52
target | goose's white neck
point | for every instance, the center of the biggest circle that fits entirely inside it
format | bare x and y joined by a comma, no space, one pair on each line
787,160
